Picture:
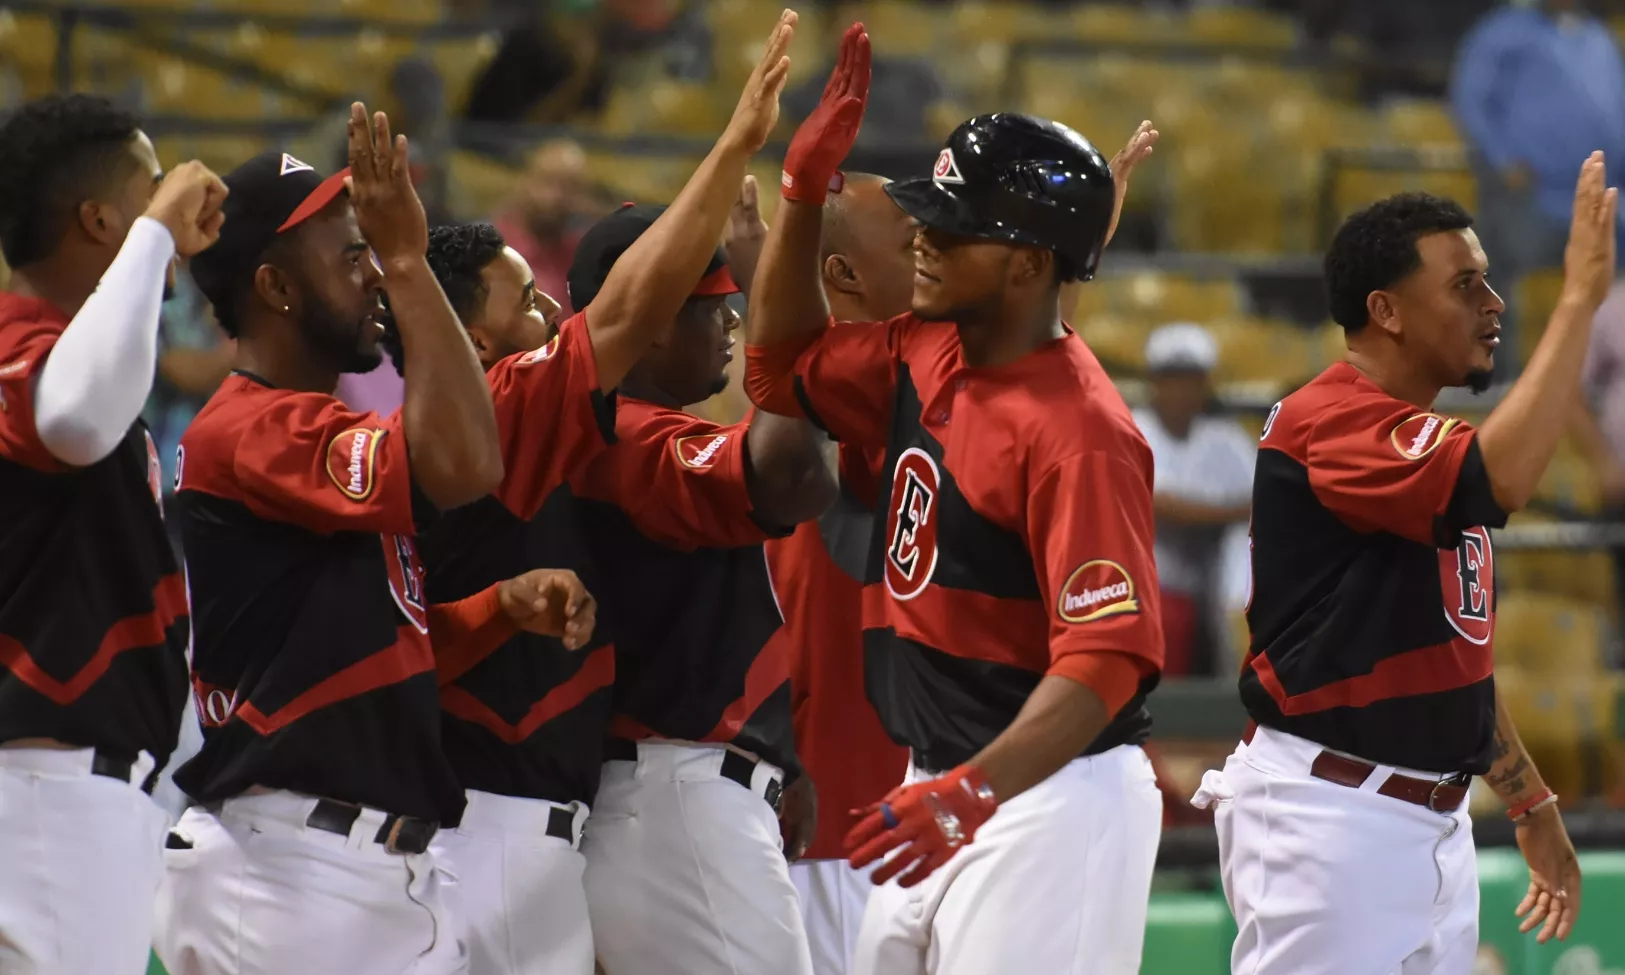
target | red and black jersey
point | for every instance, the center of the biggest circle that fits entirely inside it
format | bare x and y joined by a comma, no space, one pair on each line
700,651
818,575
93,623
1017,532
311,664
529,720
1373,600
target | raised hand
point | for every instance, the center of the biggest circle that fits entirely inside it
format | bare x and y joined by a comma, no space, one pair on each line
386,204
758,109
188,204
1588,262
1138,150
552,602
825,138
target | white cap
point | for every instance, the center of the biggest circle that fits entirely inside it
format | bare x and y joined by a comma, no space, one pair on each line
1182,346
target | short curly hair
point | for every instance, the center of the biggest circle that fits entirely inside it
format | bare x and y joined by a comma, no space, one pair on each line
1376,248
55,153
457,255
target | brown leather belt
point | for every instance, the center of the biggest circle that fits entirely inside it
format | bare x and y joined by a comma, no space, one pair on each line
1441,796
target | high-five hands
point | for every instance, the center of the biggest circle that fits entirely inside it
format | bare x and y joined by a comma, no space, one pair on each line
1138,150
823,141
758,109
386,204
1588,262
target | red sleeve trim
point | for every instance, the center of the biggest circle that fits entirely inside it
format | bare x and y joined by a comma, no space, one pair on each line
1113,676
465,632
26,346
770,373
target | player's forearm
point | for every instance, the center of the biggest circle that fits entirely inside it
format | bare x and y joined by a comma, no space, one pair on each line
446,413
789,304
1059,720
465,632
100,372
744,253
1520,435
649,283
1512,775
787,476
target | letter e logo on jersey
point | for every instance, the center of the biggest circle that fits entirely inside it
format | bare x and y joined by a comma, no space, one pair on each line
911,524
1095,590
946,170
1467,581
701,450
542,354
351,460
1417,436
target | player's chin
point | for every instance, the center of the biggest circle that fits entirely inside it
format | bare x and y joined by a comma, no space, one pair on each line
364,360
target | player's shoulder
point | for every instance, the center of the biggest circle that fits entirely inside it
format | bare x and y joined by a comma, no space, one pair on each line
643,428
29,327
1074,408
1342,403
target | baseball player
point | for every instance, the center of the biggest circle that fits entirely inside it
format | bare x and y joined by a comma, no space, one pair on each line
1344,837
524,729
867,272
93,621
1010,624
321,779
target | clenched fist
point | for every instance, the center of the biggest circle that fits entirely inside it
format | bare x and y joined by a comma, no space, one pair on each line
188,204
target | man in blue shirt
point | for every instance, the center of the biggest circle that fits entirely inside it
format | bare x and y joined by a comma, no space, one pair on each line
1538,86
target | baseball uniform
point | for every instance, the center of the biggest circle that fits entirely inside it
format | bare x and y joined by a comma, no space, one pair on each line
321,778
685,866
818,575
93,632
524,728
1016,544
1344,838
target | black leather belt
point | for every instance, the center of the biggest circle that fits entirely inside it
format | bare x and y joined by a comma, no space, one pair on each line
113,767
404,835
735,767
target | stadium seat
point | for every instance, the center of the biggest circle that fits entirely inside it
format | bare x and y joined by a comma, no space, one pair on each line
1541,633
1418,122
1240,27
897,28
1586,576
1331,344
1117,342
1570,483
1567,722
1258,350
1158,298
1535,297
1113,23
485,182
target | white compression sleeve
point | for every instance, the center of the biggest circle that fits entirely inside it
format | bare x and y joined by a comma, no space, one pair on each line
97,378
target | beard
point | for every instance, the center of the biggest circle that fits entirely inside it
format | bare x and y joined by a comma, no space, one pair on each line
718,385
1479,380
338,340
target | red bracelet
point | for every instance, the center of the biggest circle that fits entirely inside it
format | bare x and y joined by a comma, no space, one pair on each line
1542,798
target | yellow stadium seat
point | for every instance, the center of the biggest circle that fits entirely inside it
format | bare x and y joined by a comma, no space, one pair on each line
460,62
897,28
1240,27
1158,298
1541,633
220,153
1122,23
1118,343
1535,298
28,42
1259,350
642,179
1420,122
979,21
485,182
1331,344
1570,482
1587,576
1566,721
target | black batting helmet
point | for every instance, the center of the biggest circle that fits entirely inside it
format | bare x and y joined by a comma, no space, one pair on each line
1018,178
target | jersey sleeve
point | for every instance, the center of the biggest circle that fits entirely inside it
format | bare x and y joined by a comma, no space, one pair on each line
843,381
552,418
1380,465
306,460
680,479
23,348
1090,525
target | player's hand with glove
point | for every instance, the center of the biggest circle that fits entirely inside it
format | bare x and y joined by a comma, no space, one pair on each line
926,823
188,205
821,144
552,602
758,109
386,204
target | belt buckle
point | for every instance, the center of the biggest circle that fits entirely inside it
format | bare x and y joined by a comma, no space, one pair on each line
1433,793
392,839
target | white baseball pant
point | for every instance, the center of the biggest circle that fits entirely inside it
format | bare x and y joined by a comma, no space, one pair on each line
833,896
516,889
1056,883
686,869
1328,880
261,893
80,863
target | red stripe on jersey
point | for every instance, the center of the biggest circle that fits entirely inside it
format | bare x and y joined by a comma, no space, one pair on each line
768,672
1428,670
130,633
407,657
622,726
965,623
597,672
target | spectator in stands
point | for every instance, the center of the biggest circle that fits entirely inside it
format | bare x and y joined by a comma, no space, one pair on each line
1538,86
1204,484
552,205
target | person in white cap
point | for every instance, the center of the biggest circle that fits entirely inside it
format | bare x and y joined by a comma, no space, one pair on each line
1204,483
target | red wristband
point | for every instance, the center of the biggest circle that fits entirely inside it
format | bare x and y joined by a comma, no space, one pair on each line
1528,806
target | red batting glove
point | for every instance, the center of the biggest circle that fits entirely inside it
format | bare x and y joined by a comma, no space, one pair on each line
813,161
929,820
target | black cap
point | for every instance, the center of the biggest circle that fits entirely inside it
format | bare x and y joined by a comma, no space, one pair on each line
270,194
609,238
1018,178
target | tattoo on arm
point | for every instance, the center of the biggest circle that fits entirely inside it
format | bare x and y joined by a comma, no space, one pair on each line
1502,746
1510,780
